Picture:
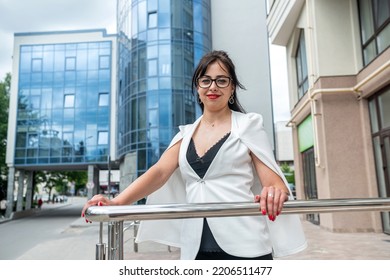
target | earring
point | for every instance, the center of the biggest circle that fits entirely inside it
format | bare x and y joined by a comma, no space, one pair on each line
231,99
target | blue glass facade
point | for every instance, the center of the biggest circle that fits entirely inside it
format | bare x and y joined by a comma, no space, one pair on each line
159,45
63,112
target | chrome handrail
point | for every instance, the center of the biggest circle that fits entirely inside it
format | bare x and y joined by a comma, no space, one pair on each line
198,210
116,215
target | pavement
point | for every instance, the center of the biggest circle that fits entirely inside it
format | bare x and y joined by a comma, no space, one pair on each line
78,242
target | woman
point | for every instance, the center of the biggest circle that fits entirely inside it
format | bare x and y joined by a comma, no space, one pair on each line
224,156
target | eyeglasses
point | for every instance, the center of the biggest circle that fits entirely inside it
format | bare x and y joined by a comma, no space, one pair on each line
221,82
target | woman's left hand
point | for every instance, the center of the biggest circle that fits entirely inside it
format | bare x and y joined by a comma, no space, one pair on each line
271,201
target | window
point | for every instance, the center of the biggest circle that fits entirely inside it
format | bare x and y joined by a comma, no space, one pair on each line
152,67
103,138
36,65
69,101
104,62
380,131
35,102
152,20
374,27
309,181
103,99
301,64
70,63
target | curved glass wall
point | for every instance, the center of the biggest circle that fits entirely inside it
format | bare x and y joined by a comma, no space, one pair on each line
159,44
63,103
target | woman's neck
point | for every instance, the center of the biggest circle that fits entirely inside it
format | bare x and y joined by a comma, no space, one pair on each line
216,118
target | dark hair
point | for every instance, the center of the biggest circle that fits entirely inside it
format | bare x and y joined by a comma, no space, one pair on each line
223,58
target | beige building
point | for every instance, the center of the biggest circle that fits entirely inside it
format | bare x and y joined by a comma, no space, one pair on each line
338,60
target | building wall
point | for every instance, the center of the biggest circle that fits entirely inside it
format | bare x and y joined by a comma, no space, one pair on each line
160,44
337,99
61,115
39,96
240,29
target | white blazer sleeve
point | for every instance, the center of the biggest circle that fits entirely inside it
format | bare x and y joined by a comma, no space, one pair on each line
286,232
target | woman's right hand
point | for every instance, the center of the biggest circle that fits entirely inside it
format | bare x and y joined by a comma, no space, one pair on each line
97,200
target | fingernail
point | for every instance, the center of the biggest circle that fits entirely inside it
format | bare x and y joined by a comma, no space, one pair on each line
82,215
86,220
263,212
270,217
278,213
257,197
100,203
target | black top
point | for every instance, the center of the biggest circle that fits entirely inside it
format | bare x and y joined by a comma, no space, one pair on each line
200,165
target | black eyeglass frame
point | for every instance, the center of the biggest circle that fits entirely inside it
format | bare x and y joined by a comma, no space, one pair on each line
214,80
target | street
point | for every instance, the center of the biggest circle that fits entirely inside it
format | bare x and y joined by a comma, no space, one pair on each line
39,236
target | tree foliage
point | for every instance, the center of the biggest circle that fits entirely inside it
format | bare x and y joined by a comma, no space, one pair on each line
5,86
58,180
288,173
79,178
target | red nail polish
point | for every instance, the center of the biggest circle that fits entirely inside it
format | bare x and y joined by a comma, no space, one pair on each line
86,220
100,203
263,212
278,213
82,215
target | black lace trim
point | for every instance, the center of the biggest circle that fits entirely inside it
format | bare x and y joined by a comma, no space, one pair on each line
201,164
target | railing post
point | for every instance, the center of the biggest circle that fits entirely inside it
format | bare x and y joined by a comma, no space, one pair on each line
135,230
120,239
115,240
111,241
100,247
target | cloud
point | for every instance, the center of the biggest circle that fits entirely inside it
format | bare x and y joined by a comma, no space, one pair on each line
57,15
50,15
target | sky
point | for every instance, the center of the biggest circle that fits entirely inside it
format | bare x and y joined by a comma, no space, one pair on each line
19,16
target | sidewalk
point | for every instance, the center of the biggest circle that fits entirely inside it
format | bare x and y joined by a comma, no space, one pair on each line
326,245
322,245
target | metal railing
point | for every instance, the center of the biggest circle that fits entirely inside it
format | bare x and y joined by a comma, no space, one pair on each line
116,215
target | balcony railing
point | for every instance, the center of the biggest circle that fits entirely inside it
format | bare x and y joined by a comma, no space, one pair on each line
116,215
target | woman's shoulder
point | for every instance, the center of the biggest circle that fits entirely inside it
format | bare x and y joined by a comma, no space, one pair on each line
185,128
248,119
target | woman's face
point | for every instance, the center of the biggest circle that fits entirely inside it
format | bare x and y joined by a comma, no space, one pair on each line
217,94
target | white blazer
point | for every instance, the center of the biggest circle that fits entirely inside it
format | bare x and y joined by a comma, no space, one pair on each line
231,177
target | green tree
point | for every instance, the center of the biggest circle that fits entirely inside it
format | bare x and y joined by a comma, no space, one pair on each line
80,179
58,180
48,180
288,173
5,86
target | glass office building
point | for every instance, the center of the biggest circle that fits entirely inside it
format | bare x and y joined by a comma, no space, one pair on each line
159,45
86,100
63,103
